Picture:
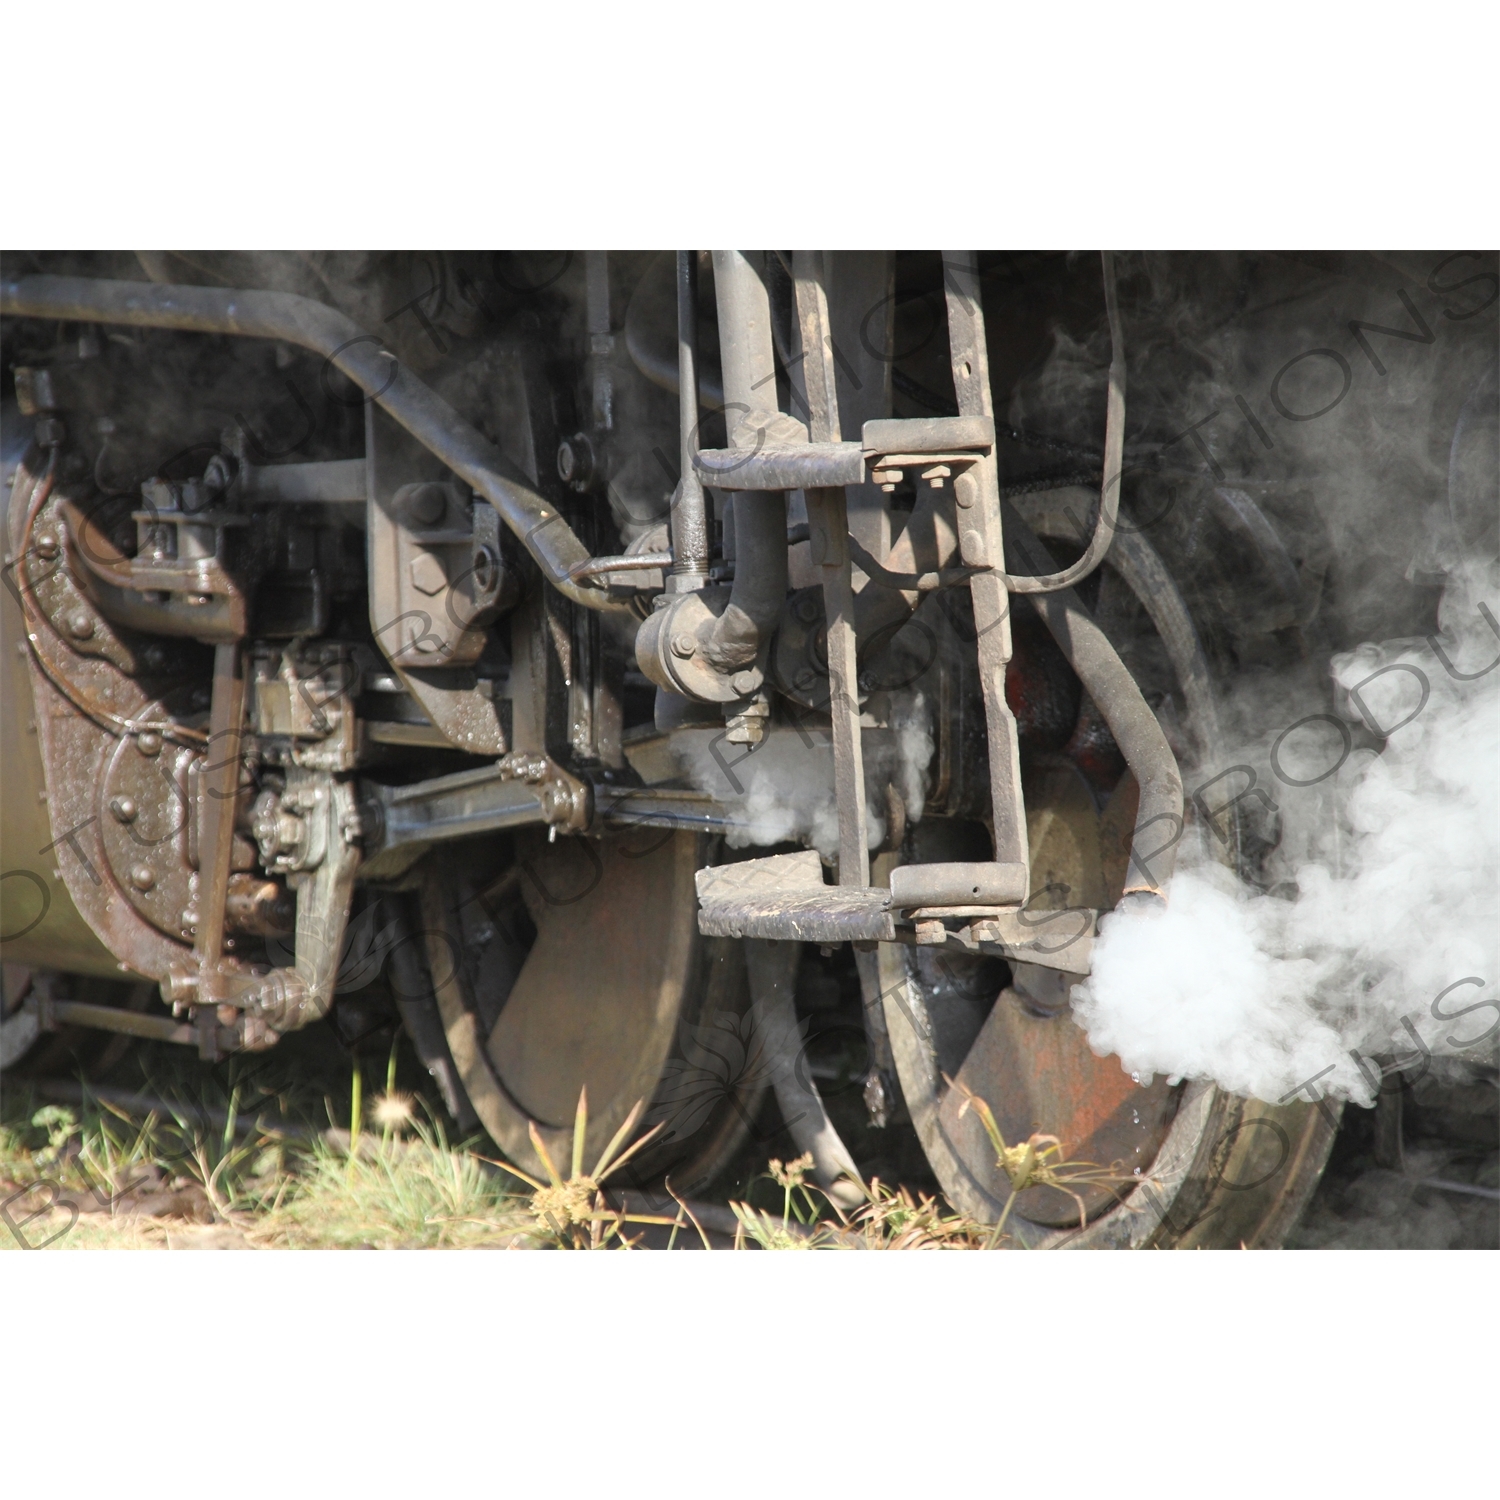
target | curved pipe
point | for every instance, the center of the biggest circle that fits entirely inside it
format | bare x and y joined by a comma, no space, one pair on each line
354,353
1114,455
1158,823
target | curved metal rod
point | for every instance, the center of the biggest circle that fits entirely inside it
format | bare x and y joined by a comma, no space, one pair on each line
772,968
1107,680
1114,454
354,353
638,562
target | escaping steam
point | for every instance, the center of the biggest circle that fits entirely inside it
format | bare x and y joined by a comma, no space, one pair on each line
781,791
1385,940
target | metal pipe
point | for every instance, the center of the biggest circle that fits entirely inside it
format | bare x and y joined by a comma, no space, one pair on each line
1114,456
772,967
109,1018
632,562
689,516
1107,680
760,569
354,353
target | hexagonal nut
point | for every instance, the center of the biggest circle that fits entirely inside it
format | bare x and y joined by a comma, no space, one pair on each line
427,574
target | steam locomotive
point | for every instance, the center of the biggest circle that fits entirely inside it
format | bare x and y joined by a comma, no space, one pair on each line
614,637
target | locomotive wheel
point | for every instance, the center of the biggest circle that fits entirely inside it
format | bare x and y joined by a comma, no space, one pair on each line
579,963
1214,1169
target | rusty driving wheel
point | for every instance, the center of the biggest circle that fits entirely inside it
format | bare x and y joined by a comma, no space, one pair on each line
1213,1169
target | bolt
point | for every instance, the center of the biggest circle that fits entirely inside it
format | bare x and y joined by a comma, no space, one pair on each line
124,809
486,570
807,608
80,625
47,546
683,644
575,461
745,682
148,742
143,877
425,505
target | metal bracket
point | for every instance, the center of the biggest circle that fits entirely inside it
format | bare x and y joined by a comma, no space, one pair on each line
422,536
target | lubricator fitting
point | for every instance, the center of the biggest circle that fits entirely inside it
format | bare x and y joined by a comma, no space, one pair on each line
670,649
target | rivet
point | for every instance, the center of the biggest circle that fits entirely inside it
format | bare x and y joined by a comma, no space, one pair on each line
80,625
148,742
124,809
46,545
143,877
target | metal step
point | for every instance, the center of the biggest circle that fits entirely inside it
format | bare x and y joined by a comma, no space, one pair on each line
784,897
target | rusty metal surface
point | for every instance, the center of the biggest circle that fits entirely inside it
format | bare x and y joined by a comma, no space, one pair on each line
74,747
146,818
1036,1072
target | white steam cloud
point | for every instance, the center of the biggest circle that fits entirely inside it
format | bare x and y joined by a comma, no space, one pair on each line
1392,929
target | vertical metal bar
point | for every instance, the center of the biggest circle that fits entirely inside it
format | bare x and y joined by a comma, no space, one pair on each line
981,545
220,785
759,520
861,323
828,526
689,519
601,337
